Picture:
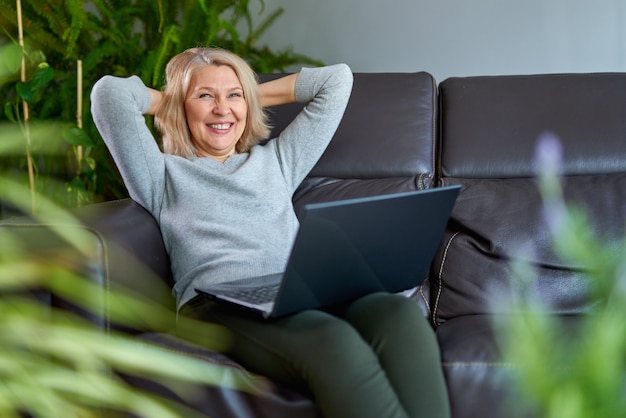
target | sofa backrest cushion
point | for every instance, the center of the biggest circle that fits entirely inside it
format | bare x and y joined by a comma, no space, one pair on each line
384,144
489,128
490,125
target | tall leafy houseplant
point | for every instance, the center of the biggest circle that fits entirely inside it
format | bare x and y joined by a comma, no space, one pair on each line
119,37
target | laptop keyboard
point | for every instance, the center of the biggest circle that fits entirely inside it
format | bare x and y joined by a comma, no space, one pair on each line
258,295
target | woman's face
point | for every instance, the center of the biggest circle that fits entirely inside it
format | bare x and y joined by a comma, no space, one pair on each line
216,111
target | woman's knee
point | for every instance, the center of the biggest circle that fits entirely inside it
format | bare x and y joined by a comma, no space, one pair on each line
384,314
317,346
385,307
323,333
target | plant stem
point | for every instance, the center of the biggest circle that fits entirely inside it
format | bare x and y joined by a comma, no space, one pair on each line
29,158
79,111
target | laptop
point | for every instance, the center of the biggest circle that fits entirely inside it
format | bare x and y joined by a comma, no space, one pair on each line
347,249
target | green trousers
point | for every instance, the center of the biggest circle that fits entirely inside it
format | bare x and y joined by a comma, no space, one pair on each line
375,357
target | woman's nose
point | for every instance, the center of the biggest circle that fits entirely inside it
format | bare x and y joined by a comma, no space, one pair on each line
221,107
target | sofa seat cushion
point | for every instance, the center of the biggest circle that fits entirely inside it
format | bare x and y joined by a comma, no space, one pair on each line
473,367
480,382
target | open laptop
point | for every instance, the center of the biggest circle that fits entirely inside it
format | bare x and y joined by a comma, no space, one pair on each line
347,249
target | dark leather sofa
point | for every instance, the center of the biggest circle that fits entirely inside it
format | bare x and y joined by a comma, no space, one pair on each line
405,132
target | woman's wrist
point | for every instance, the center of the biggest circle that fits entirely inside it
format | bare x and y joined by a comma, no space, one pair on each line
279,91
155,101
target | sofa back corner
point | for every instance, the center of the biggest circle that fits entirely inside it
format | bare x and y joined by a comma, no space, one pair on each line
489,130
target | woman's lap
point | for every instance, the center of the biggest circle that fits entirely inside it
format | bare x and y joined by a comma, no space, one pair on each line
339,358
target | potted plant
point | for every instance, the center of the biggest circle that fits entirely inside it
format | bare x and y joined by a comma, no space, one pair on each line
68,45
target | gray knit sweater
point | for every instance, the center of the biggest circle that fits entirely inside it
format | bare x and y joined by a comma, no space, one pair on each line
221,221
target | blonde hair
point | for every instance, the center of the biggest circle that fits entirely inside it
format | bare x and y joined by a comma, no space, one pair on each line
170,118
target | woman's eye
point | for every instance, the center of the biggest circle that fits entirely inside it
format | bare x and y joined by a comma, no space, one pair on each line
210,96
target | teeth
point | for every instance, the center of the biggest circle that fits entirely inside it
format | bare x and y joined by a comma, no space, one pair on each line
220,125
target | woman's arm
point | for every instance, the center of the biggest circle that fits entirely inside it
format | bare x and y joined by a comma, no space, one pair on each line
279,91
326,91
118,106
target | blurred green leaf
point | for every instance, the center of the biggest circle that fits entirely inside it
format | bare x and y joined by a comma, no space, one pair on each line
43,75
28,90
25,91
77,136
9,112
12,57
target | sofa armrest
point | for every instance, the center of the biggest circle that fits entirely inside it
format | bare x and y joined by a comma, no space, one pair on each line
130,231
135,254
125,252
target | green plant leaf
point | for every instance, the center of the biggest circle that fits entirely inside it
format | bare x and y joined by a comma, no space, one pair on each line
28,90
12,58
25,91
77,136
9,112
43,75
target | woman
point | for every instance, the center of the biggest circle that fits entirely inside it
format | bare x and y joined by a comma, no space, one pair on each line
223,203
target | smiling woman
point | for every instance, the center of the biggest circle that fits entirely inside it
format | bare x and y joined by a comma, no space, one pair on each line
219,191
216,111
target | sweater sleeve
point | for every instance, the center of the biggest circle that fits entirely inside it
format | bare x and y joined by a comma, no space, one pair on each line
118,106
326,90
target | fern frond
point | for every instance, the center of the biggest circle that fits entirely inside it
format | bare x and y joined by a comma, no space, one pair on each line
194,24
77,17
98,55
255,35
36,35
52,16
163,53
8,13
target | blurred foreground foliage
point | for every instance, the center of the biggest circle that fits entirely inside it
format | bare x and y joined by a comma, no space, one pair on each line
564,371
56,362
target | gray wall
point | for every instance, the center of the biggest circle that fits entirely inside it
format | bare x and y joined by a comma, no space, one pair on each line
456,37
